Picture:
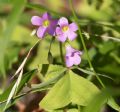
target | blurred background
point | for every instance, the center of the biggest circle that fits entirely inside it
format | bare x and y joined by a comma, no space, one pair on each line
100,24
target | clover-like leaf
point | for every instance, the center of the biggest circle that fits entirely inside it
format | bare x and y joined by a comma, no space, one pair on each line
71,88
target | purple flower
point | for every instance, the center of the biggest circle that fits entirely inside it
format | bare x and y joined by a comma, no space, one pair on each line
66,30
72,56
45,24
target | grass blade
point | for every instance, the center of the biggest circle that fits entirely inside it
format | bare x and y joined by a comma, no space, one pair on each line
14,89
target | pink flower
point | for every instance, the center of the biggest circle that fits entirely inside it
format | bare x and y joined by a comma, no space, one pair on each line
72,56
66,30
45,24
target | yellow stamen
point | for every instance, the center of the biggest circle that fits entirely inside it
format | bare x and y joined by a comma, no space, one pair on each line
65,28
46,23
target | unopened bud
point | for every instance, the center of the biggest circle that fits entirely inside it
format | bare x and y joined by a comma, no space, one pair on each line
50,58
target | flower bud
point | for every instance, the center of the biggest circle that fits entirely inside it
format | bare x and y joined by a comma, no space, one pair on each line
50,58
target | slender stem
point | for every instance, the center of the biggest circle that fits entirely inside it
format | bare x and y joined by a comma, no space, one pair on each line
61,53
84,46
50,57
91,72
53,38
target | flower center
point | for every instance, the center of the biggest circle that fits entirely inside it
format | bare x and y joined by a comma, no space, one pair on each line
46,23
65,28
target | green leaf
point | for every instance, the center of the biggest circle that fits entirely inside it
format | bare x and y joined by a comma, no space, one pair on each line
73,110
59,96
69,89
53,70
96,103
111,102
52,74
106,47
100,100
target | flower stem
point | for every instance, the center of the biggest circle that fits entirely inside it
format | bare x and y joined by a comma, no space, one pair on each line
53,38
84,46
50,57
61,53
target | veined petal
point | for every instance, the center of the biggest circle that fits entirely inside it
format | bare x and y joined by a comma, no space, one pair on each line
53,22
41,32
52,27
36,20
79,53
69,61
72,56
51,31
77,59
62,37
46,16
63,21
71,35
73,27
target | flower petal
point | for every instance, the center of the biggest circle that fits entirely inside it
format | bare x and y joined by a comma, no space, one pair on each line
41,32
36,20
51,31
77,59
71,35
73,27
58,31
53,22
69,61
47,16
69,50
63,21
52,27
79,53
62,37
